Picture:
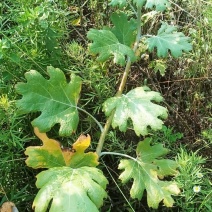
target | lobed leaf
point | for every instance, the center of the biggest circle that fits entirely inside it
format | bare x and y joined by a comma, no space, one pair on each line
137,106
123,29
54,98
114,42
159,5
146,170
52,155
67,189
167,39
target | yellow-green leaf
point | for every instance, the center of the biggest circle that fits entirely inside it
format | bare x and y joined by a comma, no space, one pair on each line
147,172
52,155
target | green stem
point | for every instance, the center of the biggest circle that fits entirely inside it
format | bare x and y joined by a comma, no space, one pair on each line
97,122
118,154
121,86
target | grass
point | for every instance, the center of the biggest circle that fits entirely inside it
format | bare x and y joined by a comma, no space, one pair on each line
34,35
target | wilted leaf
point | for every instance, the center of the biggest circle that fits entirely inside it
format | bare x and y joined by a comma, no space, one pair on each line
66,189
52,155
137,106
78,158
115,42
167,39
54,98
146,170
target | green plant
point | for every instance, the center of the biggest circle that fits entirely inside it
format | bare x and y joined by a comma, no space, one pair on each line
166,136
194,181
31,33
13,138
72,180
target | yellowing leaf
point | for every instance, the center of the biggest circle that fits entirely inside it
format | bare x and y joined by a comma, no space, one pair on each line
77,158
76,22
52,155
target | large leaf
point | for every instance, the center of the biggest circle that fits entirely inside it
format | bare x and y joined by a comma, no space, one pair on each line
146,170
54,98
66,189
159,5
114,42
52,155
137,106
123,29
167,39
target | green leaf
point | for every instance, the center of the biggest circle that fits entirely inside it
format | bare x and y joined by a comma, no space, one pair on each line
139,3
115,42
121,3
51,154
159,65
167,39
66,189
54,98
146,170
123,29
137,106
160,5
15,58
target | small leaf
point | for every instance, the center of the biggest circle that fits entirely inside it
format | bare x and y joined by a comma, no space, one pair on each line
115,42
54,98
159,65
137,106
146,170
66,189
168,39
52,155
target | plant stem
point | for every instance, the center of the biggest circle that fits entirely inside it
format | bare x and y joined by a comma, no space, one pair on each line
97,122
121,86
118,154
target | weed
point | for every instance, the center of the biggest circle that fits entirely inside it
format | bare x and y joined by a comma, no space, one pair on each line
194,181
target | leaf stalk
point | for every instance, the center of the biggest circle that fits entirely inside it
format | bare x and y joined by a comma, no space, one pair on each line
118,154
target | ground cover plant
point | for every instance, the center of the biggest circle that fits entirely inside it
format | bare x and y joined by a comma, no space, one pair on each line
63,92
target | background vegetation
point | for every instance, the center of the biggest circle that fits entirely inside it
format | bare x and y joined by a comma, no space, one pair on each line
36,34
